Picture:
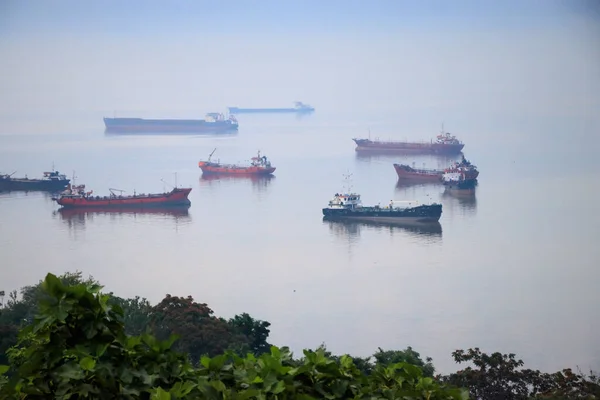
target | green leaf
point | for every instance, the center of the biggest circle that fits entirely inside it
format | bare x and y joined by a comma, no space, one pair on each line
160,394
220,386
4,369
205,361
279,387
87,363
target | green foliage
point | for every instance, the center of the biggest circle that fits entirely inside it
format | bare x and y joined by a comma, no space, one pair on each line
256,331
408,356
500,376
77,348
200,331
137,313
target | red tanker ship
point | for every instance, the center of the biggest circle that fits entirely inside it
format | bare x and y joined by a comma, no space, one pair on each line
406,172
76,197
259,165
445,143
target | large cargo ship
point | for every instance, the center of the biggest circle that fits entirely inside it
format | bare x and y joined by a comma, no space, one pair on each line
348,206
213,123
259,165
77,197
445,143
52,181
299,107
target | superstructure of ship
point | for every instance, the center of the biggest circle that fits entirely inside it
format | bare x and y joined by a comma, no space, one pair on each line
348,206
299,107
76,197
52,181
458,180
406,172
213,123
445,143
259,165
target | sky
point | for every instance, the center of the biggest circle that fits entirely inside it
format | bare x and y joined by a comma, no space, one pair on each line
184,58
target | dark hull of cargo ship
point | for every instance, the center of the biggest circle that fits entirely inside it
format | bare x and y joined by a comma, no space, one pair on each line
419,214
140,125
366,145
236,110
22,184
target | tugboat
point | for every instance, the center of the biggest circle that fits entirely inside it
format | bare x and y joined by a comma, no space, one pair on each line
348,206
445,143
52,181
77,197
259,165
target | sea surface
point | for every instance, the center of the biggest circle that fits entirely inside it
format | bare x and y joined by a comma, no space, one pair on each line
513,268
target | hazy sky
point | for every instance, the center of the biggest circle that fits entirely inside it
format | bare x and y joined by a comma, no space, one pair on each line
184,58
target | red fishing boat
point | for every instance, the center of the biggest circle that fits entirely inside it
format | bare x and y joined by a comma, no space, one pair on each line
259,165
77,197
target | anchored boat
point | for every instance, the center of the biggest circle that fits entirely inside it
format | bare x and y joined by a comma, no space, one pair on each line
77,197
299,107
348,206
445,143
213,123
52,181
259,165
406,172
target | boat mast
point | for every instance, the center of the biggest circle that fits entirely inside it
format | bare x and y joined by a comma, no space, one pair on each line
210,155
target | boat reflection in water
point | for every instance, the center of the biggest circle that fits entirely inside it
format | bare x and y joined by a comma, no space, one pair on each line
352,229
465,198
77,217
260,182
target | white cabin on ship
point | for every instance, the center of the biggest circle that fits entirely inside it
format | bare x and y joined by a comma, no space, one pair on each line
345,201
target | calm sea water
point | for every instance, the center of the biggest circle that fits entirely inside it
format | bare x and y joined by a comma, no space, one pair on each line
513,268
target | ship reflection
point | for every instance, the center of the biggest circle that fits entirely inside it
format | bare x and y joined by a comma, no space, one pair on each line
464,198
260,182
77,217
441,160
402,185
353,229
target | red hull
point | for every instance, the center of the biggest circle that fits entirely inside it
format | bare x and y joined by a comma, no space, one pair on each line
177,197
216,169
408,173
